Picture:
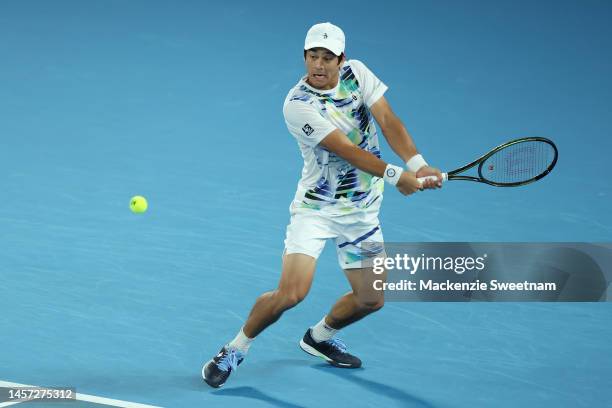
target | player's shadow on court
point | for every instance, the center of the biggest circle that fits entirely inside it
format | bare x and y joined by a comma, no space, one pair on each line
253,393
250,392
405,399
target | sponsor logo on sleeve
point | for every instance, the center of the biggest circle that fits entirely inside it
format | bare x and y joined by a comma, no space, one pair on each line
307,129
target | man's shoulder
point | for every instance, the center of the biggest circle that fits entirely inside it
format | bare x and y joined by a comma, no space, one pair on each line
298,99
355,62
354,66
299,93
350,74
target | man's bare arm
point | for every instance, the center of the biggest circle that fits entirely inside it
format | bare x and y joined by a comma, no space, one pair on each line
393,129
400,140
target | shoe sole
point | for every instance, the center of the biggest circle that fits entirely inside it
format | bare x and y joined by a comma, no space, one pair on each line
313,352
204,376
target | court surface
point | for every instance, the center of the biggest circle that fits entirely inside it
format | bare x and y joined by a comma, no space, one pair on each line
182,102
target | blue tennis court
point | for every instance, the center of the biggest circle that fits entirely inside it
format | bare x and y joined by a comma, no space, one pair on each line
181,102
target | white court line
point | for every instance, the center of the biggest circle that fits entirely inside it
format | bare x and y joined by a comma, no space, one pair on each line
79,397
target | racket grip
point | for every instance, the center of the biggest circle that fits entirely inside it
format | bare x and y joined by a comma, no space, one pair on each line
422,179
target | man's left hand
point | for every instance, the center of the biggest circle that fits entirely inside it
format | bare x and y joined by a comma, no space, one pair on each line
430,171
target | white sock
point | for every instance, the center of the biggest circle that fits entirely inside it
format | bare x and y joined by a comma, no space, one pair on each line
241,342
322,332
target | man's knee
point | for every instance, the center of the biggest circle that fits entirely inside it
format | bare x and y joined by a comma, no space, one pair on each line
289,299
298,271
372,306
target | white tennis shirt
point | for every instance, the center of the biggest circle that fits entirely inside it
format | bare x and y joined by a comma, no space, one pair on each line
330,183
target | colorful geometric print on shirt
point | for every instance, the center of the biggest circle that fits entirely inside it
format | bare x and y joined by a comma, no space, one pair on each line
328,181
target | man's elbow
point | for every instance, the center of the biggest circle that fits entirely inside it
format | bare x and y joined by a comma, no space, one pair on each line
390,124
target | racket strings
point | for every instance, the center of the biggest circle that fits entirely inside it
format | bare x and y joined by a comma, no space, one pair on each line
518,162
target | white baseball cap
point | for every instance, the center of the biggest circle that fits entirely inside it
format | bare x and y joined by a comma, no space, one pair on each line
325,35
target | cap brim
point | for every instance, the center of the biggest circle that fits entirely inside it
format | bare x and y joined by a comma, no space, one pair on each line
337,51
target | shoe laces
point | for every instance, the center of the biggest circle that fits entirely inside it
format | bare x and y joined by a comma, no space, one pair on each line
229,360
338,344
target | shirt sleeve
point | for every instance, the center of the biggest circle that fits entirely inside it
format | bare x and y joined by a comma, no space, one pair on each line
371,87
305,123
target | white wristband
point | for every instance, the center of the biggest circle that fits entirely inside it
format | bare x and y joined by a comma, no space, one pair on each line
415,163
392,174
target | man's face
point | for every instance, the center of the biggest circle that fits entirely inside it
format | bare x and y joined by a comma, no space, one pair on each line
323,68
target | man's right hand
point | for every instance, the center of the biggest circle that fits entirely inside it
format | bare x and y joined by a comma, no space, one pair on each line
408,183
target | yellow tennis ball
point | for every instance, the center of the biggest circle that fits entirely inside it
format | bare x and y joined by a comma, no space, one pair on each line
138,204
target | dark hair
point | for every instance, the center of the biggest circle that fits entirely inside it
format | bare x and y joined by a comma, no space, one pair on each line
337,56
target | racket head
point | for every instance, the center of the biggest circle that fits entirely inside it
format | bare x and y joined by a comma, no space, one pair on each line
518,162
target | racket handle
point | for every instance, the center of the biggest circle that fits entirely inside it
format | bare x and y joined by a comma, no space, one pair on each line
422,179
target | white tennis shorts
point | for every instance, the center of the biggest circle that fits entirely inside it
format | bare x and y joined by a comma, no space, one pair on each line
357,235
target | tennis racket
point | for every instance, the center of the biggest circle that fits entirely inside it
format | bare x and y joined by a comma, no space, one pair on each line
514,163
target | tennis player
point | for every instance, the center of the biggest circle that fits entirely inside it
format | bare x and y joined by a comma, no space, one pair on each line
331,113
